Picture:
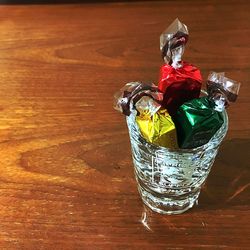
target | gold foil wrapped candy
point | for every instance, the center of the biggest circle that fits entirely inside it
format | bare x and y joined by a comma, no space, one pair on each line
155,123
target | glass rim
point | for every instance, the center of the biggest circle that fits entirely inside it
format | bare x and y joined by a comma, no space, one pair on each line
222,132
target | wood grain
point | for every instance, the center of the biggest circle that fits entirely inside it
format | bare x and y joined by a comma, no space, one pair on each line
66,179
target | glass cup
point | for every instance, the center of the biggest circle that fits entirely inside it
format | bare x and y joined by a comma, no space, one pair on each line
169,181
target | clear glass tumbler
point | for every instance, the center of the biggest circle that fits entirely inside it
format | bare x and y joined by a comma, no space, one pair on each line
169,181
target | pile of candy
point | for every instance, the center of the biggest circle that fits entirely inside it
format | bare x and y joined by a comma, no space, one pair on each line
173,114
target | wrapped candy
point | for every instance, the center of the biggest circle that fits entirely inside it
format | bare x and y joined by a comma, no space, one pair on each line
179,80
198,120
154,122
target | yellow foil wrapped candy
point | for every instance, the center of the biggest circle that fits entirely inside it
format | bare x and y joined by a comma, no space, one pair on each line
157,126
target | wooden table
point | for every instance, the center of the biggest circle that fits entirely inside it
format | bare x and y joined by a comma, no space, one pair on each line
66,178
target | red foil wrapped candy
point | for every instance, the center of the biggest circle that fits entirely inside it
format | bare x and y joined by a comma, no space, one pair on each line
179,80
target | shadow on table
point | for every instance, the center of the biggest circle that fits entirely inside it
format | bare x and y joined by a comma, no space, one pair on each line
227,186
228,183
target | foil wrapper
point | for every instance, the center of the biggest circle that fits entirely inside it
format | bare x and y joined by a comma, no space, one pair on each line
155,124
179,85
179,81
198,120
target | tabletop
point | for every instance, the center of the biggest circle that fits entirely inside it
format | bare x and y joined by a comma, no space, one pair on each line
66,179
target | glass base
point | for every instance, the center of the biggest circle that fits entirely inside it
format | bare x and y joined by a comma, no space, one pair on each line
168,205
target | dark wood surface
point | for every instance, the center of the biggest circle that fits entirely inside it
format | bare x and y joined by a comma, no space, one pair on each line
66,175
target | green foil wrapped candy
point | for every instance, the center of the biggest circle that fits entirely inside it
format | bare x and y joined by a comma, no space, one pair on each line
196,121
